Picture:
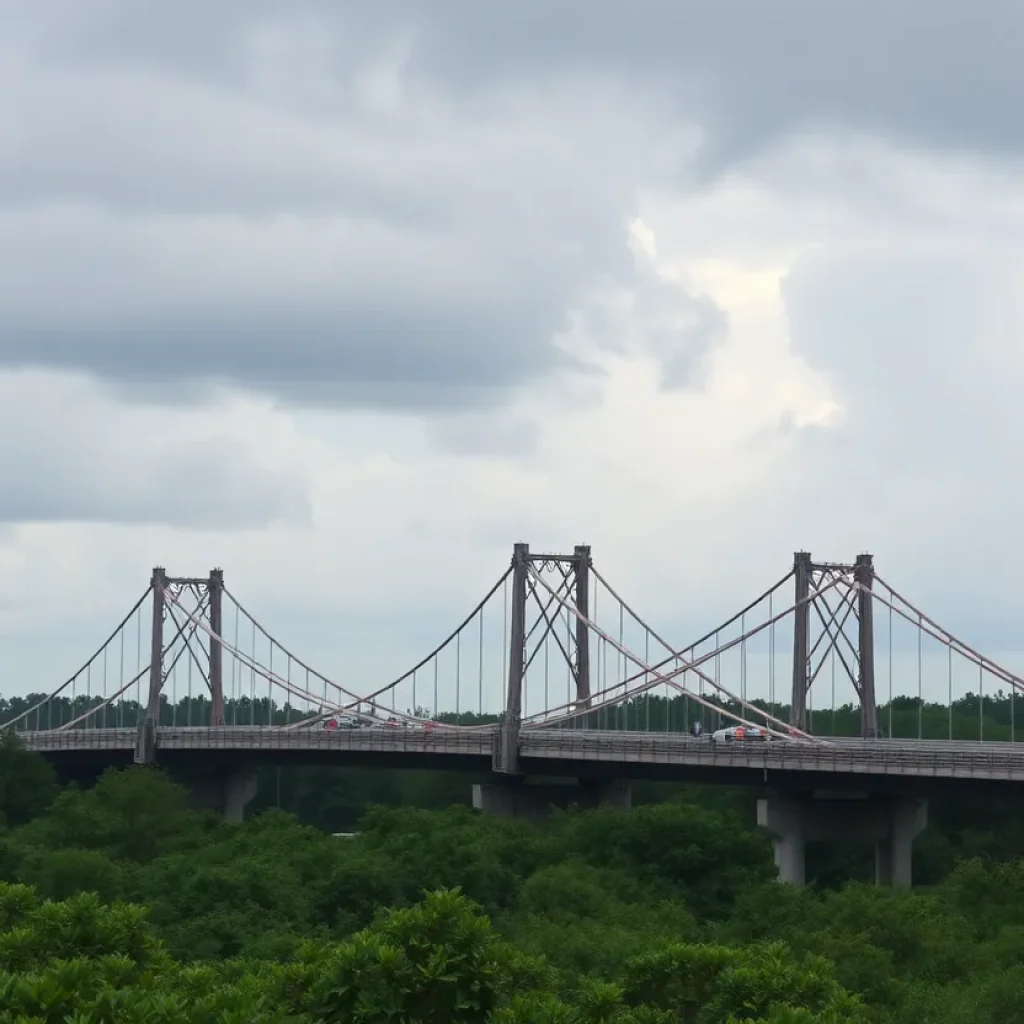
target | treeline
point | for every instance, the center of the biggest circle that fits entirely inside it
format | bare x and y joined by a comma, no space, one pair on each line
669,913
34,712
989,717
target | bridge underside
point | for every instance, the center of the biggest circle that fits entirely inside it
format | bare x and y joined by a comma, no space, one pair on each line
85,766
891,823
889,780
534,798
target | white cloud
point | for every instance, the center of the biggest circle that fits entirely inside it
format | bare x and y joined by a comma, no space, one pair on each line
902,300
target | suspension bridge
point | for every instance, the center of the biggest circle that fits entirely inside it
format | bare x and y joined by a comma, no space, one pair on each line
555,675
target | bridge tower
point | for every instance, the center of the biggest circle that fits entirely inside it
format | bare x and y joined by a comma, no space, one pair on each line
574,584
864,574
833,610
208,592
803,570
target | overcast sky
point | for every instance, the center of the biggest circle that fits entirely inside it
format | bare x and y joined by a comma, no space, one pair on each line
346,298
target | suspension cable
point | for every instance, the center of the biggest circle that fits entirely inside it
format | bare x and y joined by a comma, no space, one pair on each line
60,689
687,666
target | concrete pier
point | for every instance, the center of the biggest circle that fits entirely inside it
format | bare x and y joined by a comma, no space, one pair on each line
225,793
531,798
891,823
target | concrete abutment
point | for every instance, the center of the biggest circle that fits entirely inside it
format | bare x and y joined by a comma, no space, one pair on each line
532,798
892,823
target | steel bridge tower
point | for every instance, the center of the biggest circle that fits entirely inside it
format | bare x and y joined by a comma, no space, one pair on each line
809,577
209,592
574,571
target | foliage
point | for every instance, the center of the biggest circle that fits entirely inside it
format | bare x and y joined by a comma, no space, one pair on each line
438,962
27,783
120,902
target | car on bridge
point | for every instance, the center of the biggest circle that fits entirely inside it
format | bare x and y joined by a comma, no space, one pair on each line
373,721
403,723
343,722
740,734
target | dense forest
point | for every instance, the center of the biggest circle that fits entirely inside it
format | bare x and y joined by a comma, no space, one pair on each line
121,903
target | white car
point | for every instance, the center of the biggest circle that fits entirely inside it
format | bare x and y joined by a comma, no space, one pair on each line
343,722
740,734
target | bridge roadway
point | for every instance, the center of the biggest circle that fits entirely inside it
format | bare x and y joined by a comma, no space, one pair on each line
907,765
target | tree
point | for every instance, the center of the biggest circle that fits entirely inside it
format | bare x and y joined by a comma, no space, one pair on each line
707,984
437,963
80,960
133,815
707,857
27,783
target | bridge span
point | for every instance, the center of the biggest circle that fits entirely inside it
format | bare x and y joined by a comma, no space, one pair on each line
191,680
848,790
583,753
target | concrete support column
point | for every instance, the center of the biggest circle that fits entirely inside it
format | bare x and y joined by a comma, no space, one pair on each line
615,793
891,823
894,854
783,818
227,793
532,799
239,790
510,801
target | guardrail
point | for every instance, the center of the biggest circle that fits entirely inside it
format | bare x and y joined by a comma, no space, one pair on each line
269,739
929,758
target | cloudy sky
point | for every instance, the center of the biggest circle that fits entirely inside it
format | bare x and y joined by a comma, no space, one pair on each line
348,297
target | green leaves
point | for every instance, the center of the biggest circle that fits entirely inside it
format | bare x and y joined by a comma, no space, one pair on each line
27,783
81,960
705,856
436,962
704,984
75,928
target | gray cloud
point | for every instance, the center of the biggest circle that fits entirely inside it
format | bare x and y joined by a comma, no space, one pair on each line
76,459
165,226
396,206
649,315
750,71
392,321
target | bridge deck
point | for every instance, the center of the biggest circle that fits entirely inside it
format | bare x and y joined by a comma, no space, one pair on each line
573,750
